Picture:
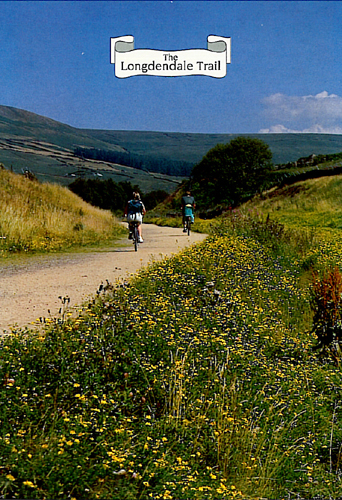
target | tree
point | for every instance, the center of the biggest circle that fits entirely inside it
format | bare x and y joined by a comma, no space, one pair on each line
153,198
105,194
231,172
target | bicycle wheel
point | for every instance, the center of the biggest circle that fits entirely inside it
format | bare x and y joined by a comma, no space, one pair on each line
136,236
188,225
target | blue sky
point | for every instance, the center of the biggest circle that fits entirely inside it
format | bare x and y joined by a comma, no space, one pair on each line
285,72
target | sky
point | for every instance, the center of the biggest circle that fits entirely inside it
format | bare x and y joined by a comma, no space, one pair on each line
285,73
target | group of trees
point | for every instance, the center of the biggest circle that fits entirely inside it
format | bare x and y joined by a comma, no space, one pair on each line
232,173
146,162
111,195
105,194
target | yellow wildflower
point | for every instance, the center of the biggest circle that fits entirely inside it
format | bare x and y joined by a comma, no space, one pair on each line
30,484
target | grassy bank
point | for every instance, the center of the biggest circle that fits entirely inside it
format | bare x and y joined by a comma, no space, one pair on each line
37,217
315,203
199,380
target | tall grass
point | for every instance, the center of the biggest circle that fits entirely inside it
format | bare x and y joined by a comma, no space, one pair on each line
47,217
312,203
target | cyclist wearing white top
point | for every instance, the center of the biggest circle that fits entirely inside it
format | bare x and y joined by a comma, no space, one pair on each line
135,209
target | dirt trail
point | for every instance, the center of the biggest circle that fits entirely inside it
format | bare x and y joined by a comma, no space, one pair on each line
30,288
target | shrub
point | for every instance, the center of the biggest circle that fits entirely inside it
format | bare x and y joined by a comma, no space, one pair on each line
231,172
326,302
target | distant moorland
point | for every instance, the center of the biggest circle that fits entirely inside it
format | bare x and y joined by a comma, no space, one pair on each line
56,152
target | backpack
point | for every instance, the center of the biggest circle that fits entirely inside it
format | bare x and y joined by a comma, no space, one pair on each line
188,200
134,207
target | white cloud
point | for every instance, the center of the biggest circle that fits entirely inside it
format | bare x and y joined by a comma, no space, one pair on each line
315,129
320,113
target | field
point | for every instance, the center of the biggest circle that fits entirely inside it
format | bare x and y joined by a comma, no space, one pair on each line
200,379
37,217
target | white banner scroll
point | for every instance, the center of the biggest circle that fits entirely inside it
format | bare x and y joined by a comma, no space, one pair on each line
205,62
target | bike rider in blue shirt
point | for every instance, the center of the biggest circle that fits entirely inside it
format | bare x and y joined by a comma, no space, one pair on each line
188,207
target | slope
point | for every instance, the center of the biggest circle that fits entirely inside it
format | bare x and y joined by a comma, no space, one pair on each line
313,204
46,147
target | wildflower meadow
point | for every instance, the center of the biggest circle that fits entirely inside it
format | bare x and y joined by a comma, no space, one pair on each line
198,379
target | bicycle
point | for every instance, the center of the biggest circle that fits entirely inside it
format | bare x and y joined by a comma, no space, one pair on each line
188,222
188,218
135,234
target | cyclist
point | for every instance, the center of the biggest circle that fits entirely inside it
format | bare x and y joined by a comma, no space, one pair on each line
188,206
134,211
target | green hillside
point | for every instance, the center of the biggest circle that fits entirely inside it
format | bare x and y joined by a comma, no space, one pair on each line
192,147
46,147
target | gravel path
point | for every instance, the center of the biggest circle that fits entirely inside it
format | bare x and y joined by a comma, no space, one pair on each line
30,288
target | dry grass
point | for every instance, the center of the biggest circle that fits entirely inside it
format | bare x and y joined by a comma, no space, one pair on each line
47,217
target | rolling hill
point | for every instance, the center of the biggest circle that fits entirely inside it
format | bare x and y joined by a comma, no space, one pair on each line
46,147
